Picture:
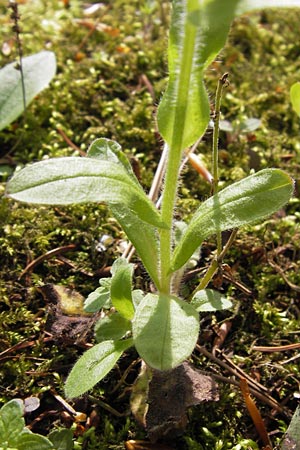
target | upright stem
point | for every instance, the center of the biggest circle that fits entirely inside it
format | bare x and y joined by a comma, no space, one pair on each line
174,158
215,169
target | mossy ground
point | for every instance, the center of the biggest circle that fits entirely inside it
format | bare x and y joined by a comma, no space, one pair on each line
101,90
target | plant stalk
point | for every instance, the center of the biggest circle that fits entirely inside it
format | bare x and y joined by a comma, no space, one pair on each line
174,157
215,147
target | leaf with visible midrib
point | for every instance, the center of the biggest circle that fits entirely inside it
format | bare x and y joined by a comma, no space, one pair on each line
121,287
64,181
242,203
165,330
198,33
93,365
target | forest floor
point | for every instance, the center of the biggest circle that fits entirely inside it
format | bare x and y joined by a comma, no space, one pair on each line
111,74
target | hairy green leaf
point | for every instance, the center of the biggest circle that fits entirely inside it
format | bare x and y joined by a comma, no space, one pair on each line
121,287
198,32
109,150
210,300
143,236
13,433
165,330
93,365
38,70
244,202
113,327
145,240
98,299
63,181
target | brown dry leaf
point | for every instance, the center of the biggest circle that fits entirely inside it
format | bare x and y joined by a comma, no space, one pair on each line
171,393
139,395
221,332
66,319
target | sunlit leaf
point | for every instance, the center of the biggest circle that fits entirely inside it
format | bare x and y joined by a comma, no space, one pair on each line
98,299
165,330
93,365
109,150
38,70
63,181
13,433
291,439
11,421
62,439
242,203
121,287
210,300
198,32
113,327
143,236
32,441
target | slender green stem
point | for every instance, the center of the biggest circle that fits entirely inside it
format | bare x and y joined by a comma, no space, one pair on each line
208,276
215,264
215,169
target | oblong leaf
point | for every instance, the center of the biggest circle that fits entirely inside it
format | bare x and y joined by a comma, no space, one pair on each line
143,236
246,201
165,330
121,287
198,32
93,365
63,181
210,300
38,70
112,327
98,299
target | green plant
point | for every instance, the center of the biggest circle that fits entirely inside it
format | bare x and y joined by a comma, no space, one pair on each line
163,327
38,70
14,435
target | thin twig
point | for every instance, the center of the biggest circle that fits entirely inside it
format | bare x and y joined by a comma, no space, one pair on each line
281,272
69,142
48,255
254,386
107,407
279,348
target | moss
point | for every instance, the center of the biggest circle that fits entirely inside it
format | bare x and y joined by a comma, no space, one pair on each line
99,91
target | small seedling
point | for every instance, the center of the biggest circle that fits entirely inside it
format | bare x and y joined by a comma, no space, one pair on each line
163,327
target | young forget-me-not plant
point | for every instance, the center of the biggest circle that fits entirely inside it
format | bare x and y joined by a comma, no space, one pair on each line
163,327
